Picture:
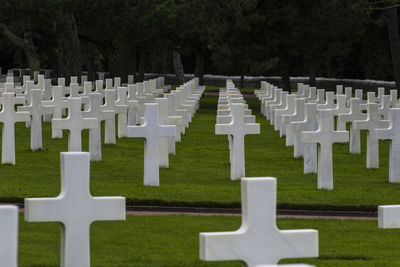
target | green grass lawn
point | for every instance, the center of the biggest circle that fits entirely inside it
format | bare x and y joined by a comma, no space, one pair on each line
173,240
199,172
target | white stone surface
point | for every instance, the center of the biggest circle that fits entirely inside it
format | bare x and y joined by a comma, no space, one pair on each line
94,111
353,114
340,108
36,110
392,133
9,117
75,208
8,236
276,101
163,142
394,102
132,111
310,123
280,105
258,241
237,128
371,124
389,216
383,109
329,102
109,127
325,136
152,131
289,109
298,115
58,103
121,108
74,123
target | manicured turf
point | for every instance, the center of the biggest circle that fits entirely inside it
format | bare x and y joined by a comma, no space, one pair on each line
199,173
173,240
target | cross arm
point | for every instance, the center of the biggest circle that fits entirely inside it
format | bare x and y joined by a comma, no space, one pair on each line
44,209
310,137
223,129
220,246
252,128
108,208
303,243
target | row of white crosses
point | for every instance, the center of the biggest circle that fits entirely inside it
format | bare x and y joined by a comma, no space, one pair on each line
75,208
258,242
163,123
307,119
50,102
235,120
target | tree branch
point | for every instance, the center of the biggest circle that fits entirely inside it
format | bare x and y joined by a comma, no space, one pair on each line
11,37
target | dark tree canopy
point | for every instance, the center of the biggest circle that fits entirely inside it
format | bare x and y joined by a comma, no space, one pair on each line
334,38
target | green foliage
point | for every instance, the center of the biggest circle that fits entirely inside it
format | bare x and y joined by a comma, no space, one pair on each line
333,38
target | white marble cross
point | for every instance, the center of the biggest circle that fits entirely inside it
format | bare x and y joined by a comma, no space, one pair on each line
325,136
340,108
123,105
75,208
132,111
389,216
394,102
298,115
36,110
289,109
276,101
94,111
383,109
163,143
258,241
152,131
75,124
371,124
280,105
320,97
109,127
329,102
237,128
9,117
58,103
309,123
393,134
353,114
8,236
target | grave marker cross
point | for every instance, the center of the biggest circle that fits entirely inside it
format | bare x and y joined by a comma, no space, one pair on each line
258,241
75,124
75,208
237,128
393,134
9,117
325,136
152,131
371,124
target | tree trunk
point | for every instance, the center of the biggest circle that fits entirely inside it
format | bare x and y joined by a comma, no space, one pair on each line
142,65
312,74
241,81
199,68
26,44
391,15
284,66
68,46
178,67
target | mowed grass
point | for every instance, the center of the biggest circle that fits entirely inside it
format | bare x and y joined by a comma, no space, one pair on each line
199,172
173,240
